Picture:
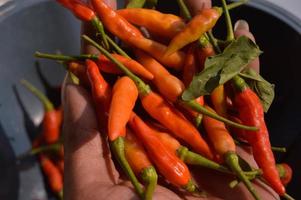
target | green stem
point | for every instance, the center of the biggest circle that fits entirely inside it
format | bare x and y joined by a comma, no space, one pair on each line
232,161
279,149
191,187
198,120
67,58
150,178
192,158
288,197
233,184
117,147
135,4
117,48
51,147
184,9
230,33
99,27
197,107
61,195
142,87
213,41
236,4
48,106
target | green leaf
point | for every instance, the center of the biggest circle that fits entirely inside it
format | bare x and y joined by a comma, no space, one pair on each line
258,84
223,67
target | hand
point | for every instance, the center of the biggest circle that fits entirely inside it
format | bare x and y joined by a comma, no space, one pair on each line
90,173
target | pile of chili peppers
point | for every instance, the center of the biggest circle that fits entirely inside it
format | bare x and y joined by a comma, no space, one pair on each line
161,55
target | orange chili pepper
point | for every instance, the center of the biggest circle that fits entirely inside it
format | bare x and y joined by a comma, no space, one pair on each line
168,85
140,163
54,177
124,96
52,120
106,65
196,27
167,115
169,165
161,24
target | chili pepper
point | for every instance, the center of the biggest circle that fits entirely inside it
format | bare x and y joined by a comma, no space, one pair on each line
251,113
164,25
54,177
140,163
86,14
285,173
169,165
168,85
101,93
196,27
124,96
189,69
224,145
60,165
107,66
52,120
144,89
37,141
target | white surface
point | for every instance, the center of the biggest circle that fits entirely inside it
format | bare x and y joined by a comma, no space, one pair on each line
293,6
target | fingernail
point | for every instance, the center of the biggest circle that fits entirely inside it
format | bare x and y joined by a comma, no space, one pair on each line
241,25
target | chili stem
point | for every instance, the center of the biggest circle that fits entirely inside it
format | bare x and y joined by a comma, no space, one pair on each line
150,178
236,4
67,58
184,9
279,149
288,197
230,33
99,27
232,160
118,149
51,147
214,43
142,87
116,47
48,106
197,107
61,195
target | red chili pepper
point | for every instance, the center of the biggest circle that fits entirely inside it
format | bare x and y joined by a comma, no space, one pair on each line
140,163
124,96
167,115
251,113
52,120
196,27
54,177
285,173
168,85
189,69
161,24
225,147
107,66
169,165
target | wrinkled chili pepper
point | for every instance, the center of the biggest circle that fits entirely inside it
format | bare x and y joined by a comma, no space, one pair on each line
169,165
54,177
52,118
124,96
224,146
160,24
101,93
168,85
251,113
196,27
140,163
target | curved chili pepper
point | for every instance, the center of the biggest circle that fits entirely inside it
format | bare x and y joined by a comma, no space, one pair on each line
107,66
171,167
196,27
224,146
168,85
52,120
101,93
124,96
54,177
86,14
251,113
285,173
140,163
161,24
167,115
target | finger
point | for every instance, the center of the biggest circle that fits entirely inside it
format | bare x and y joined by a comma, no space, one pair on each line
195,6
241,27
86,155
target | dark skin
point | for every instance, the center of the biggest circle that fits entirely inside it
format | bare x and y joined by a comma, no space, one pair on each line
90,173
